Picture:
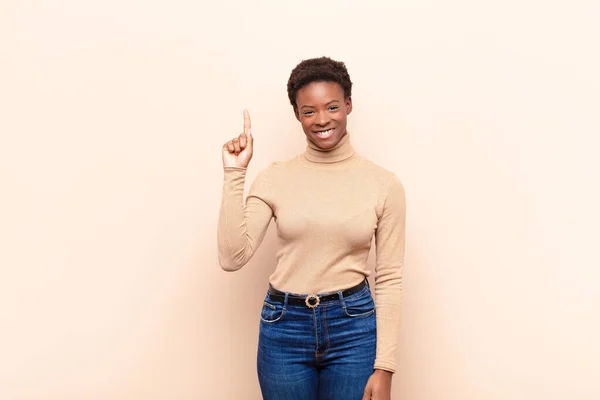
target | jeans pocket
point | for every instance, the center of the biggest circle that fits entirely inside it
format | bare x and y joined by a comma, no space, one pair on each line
362,306
271,313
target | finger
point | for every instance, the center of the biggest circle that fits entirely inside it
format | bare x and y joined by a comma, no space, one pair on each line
243,141
236,145
367,394
247,127
250,140
230,147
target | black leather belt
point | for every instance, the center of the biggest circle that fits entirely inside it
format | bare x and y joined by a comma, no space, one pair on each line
312,300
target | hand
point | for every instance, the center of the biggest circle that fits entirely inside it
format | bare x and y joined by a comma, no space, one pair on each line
238,151
379,386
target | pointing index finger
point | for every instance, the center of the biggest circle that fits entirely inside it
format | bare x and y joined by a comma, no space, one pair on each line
247,127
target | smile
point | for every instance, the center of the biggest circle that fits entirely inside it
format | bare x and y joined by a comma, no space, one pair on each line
324,134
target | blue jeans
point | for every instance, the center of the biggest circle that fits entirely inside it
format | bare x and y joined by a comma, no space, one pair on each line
323,353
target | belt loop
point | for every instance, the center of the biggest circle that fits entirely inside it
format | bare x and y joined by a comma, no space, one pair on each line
342,301
285,301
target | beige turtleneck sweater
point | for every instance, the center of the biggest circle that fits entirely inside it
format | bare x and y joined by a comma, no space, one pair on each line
328,206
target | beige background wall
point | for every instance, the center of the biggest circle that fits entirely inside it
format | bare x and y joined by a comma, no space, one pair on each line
112,115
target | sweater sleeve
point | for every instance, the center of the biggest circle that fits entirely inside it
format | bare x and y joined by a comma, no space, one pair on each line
390,243
242,227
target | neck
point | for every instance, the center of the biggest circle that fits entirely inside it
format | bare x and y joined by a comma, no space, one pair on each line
340,152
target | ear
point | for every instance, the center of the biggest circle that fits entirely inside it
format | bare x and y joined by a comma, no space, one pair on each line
297,114
348,105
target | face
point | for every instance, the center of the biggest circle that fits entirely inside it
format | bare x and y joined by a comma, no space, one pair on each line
322,110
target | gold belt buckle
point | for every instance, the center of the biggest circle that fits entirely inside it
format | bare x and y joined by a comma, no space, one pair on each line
310,304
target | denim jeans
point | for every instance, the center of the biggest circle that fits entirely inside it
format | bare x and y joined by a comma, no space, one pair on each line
323,353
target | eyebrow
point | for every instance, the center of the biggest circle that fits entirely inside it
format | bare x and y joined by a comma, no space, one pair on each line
308,105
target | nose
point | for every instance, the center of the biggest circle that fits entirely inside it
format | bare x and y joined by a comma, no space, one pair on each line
322,119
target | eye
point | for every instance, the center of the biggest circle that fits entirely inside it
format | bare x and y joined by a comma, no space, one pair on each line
334,108
307,112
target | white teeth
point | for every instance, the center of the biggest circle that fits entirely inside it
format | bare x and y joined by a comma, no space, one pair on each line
324,133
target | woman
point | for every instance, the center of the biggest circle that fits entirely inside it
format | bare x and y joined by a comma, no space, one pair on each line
321,334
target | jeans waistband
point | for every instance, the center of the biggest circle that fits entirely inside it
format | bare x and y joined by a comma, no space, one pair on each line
313,300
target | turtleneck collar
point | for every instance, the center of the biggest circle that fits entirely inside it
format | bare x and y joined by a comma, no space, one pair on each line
340,152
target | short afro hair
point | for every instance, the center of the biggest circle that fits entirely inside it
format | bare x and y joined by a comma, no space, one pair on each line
322,69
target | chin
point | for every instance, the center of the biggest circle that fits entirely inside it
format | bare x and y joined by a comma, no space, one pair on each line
323,144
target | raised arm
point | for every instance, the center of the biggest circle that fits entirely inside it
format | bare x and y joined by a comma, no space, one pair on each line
242,225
